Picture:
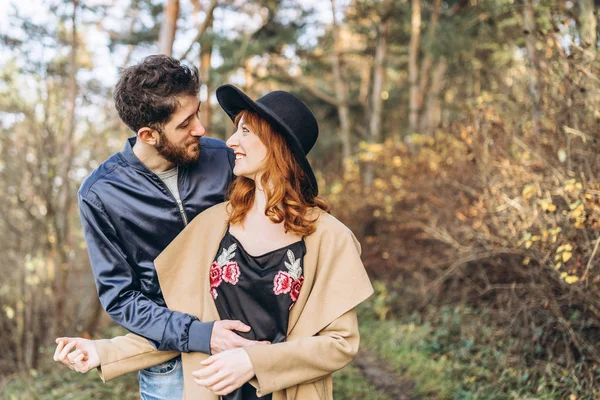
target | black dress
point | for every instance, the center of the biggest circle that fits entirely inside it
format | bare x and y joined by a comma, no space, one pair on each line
257,290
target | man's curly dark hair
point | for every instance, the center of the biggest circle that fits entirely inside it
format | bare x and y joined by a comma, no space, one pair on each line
146,94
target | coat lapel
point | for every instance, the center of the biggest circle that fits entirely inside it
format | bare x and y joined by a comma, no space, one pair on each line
183,268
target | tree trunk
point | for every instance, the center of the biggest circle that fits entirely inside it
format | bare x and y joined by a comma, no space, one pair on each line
94,317
365,82
529,22
376,98
168,28
60,219
428,60
340,91
430,119
378,81
589,24
413,72
205,58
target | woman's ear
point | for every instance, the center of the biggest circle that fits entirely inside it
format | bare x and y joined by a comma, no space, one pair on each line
148,135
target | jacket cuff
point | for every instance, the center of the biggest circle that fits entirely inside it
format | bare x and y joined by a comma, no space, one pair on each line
199,336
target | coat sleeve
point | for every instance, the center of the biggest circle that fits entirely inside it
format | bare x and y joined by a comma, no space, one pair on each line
120,293
123,354
283,365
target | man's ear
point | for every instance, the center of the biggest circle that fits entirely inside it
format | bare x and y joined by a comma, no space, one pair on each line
148,135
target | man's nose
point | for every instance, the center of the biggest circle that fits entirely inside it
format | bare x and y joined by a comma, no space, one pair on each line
198,130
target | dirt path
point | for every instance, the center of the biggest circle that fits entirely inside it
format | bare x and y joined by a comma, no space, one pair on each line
380,375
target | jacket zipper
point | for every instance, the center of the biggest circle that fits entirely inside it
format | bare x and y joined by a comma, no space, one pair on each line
179,203
182,211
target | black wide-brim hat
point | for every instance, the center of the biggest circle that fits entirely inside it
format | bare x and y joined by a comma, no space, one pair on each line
288,115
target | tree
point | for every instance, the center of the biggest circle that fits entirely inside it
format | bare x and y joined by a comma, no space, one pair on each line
168,28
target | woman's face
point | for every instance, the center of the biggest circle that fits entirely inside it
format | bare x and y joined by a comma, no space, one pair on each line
250,152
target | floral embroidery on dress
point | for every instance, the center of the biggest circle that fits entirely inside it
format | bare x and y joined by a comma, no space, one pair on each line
290,281
282,283
216,275
296,286
231,273
224,270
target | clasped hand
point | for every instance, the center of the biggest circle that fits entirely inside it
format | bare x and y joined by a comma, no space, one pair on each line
226,370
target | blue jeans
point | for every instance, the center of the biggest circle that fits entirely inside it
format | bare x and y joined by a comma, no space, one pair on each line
163,381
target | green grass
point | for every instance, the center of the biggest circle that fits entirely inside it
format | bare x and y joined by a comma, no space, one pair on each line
349,384
455,355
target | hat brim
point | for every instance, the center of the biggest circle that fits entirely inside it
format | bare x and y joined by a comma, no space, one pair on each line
233,101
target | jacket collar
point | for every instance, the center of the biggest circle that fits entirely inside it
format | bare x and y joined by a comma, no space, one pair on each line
130,156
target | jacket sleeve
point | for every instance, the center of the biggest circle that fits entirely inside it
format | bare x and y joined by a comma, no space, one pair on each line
129,353
283,365
120,292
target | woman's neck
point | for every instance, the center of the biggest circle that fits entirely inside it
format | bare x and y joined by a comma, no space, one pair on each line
260,200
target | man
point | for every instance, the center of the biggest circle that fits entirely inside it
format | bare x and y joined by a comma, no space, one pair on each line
137,201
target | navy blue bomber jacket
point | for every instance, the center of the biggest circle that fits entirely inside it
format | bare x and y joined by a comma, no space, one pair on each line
129,216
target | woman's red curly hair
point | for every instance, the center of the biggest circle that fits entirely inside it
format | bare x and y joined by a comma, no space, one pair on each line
282,181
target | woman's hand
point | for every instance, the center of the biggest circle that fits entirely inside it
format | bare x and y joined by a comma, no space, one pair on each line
225,372
84,358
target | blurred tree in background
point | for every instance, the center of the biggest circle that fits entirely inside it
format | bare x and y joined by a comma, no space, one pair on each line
459,139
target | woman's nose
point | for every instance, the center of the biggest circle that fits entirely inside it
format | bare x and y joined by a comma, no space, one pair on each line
232,141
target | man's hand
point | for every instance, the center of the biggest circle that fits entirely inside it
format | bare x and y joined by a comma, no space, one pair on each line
225,372
224,338
84,358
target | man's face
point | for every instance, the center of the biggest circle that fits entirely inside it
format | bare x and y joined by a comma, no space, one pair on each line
179,140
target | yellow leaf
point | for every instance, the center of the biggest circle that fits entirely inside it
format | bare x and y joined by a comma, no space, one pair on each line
568,247
10,312
563,275
526,261
557,266
528,244
529,191
566,256
551,208
571,279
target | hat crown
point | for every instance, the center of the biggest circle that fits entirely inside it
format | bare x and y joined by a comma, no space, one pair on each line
295,114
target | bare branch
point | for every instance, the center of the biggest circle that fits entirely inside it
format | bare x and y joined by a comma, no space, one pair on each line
202,29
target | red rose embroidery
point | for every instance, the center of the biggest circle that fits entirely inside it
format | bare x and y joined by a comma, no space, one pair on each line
213,293
231,273
282,283
215,275
296,286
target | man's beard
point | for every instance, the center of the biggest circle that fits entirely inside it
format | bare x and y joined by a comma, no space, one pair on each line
178,155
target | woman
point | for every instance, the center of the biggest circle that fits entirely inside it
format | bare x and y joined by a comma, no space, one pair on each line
271,257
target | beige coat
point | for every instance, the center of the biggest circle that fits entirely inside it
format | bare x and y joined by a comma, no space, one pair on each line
322,328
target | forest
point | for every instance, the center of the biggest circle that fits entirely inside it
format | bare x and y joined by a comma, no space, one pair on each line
459,140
